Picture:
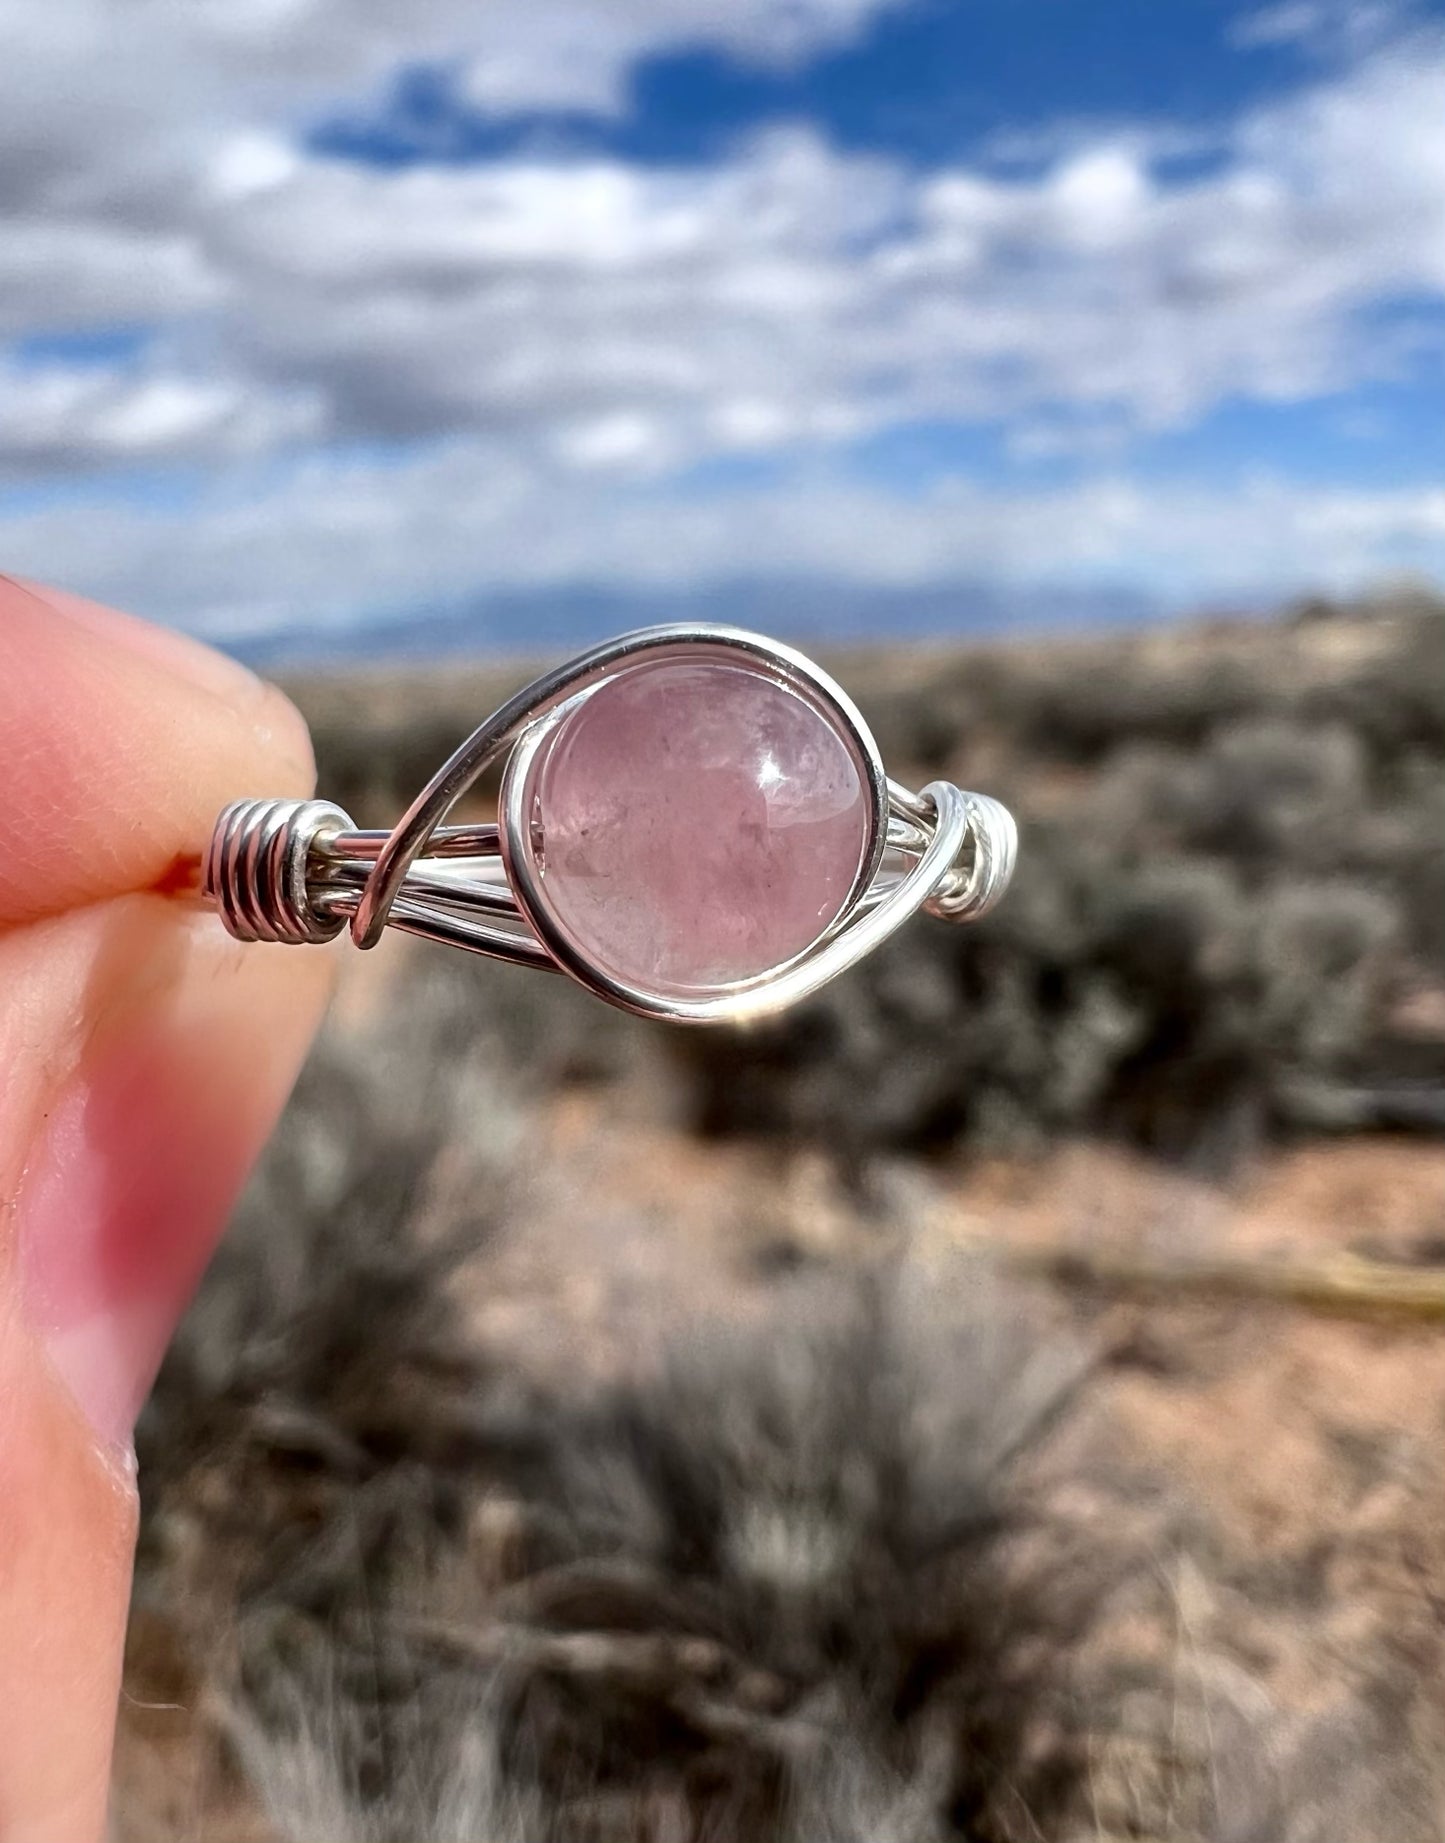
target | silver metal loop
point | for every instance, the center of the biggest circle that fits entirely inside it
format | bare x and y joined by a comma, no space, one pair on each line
966,895
299,871
259,868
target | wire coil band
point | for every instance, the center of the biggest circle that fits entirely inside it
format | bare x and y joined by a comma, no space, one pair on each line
300,871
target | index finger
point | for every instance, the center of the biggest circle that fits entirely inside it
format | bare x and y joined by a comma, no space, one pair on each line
120,743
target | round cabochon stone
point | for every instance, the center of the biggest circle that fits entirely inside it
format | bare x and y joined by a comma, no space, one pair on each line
696,823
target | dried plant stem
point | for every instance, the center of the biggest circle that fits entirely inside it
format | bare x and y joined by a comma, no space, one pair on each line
1347,1285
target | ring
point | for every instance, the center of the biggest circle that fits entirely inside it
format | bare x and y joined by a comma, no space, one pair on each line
694,823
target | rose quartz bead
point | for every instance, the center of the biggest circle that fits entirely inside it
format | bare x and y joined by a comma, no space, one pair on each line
699,824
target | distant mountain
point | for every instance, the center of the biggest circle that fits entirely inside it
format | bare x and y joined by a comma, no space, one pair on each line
555,620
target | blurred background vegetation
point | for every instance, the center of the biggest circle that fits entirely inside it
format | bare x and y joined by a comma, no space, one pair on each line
1228,925
881,1425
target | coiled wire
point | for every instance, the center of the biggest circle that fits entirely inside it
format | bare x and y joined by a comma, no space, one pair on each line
299,871
260,865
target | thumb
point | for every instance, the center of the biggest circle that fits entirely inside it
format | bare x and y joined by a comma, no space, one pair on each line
143,1059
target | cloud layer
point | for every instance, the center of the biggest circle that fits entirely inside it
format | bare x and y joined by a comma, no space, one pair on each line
339,540
408,382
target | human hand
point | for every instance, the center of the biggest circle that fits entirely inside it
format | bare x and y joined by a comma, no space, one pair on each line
144,1056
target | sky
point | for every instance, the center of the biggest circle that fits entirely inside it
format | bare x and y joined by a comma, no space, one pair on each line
336,325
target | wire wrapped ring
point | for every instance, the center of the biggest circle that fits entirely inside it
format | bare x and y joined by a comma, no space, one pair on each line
816,861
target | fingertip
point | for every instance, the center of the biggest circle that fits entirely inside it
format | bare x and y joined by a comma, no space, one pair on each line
122,742
200,665
284,734
279,725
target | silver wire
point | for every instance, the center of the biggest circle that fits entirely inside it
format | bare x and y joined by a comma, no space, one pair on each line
300,871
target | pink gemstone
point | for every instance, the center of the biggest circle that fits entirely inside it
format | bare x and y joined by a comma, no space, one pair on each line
699,824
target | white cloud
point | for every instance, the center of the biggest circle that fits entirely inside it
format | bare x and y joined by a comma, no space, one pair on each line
789,293
139,419
129,134
556,337
572,54
333,538
1338,27
152,82
58,272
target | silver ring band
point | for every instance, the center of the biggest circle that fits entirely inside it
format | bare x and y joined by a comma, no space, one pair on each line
299,871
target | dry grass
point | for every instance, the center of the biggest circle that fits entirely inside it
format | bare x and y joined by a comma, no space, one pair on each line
532,1469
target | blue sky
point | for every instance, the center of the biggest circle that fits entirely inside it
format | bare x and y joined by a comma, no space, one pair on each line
935,81
316,320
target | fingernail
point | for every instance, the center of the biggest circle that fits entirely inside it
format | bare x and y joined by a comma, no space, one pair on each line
175,652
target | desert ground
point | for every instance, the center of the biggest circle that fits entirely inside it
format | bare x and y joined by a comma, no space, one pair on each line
1003,1400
